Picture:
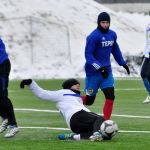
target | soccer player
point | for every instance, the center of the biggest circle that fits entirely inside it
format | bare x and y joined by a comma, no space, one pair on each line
84,123
145,69
100,44
6,107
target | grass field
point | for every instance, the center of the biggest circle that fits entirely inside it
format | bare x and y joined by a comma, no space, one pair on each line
129,97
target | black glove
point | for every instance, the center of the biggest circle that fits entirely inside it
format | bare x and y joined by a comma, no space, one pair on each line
104,72
127,68
25,82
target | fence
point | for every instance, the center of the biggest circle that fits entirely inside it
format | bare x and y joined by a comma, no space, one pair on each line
30,40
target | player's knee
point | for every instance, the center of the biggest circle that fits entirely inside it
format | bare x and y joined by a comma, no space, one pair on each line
110,96
109,93
101,119
90,99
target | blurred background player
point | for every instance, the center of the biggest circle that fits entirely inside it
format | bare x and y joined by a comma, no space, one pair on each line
145,70
84,123
100,44
6,107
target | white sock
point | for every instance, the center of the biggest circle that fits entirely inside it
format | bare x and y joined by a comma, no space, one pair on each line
76,137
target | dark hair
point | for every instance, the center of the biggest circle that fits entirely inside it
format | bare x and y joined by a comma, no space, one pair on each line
104,16
67,84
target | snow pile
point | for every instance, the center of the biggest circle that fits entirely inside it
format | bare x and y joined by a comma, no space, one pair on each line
46,38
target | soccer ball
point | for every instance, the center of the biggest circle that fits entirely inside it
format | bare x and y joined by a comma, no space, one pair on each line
109,129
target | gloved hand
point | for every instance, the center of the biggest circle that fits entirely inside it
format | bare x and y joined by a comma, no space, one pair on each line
127,68
104,72
25,82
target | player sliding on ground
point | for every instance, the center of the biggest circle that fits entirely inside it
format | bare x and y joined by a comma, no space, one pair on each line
83,123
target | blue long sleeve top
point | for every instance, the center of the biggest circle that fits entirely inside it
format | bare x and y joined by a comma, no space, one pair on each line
3,53
99,47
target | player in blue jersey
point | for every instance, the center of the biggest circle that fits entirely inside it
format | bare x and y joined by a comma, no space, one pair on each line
100,44
145,70
6,107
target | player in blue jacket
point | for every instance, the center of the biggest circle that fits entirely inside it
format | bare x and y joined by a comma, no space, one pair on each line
100,44
6,107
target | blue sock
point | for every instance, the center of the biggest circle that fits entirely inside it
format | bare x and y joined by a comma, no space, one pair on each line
147,85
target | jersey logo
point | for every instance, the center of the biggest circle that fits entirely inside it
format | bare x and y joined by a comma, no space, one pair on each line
107,43
90,91
103,38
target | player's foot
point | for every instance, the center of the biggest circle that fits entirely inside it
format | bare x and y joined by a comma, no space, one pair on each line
4,125
147,100
71,136
12,130
97,136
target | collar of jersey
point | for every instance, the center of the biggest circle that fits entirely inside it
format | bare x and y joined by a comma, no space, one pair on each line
77,93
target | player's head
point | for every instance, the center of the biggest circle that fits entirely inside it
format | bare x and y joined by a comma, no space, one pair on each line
103,21
71,84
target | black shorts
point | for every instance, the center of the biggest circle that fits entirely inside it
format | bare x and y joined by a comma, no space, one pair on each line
83,122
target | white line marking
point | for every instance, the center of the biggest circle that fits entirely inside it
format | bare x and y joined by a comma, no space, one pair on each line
36,110
130,89
56,111
124,131
116,89
49,128
131,116
66,129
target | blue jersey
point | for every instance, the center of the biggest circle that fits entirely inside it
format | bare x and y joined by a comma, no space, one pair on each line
3,53
99,47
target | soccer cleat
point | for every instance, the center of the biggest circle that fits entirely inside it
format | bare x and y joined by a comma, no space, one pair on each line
147,100
4,125
97,136
12,130
71,136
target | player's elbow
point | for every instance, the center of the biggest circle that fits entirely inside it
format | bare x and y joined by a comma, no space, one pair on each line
39,95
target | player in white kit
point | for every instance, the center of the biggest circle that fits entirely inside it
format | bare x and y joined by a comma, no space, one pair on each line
145,70
83,123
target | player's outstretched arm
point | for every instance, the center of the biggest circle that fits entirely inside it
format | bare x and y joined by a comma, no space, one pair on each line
40,92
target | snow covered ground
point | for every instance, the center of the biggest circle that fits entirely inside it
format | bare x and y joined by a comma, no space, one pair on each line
46,38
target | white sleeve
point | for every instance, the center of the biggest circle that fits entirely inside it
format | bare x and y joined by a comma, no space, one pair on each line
147,47
44,94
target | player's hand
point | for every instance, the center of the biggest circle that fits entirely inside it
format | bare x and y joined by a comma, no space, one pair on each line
25,82
127,68
104,72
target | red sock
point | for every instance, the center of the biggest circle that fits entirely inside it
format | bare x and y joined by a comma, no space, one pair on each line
83,99
107,109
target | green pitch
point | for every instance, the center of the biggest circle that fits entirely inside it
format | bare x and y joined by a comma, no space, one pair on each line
129,97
